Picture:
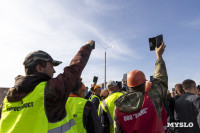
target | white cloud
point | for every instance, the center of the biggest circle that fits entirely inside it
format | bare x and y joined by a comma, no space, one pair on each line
53,27
102,7
195,24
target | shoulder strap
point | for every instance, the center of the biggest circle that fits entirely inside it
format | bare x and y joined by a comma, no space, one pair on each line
108,112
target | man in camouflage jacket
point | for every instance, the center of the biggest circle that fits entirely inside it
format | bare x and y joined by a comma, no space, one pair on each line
133,101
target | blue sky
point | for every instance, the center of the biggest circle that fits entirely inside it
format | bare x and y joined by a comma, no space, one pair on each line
61,27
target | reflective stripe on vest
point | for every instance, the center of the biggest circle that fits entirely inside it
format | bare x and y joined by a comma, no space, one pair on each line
63,128
108,112
145,120
93,96
109,101
27,115
65,125
76,107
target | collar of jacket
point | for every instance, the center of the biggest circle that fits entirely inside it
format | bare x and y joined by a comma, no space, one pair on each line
130,102
24,85
73,95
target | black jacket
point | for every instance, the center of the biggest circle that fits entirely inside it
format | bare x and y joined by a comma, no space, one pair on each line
187,109
90,118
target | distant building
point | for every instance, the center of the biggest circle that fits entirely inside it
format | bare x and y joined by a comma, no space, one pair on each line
3,92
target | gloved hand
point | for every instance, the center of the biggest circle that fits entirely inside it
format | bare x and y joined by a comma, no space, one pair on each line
91,43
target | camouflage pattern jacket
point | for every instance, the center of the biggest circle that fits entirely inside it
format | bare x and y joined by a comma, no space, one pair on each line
133,101
57,89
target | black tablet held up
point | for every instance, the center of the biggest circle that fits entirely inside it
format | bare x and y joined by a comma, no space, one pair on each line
95,79
155,42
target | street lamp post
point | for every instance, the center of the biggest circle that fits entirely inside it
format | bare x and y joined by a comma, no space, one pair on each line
105,67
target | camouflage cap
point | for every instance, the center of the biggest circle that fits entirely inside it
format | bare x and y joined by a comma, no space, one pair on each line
38,57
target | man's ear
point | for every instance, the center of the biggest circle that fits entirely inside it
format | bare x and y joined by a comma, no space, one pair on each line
38,68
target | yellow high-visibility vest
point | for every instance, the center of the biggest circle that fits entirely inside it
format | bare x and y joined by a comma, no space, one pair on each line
93,96
63,126
108,106
76,106
27,115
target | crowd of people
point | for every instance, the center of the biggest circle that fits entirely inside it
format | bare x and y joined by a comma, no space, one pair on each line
39,103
